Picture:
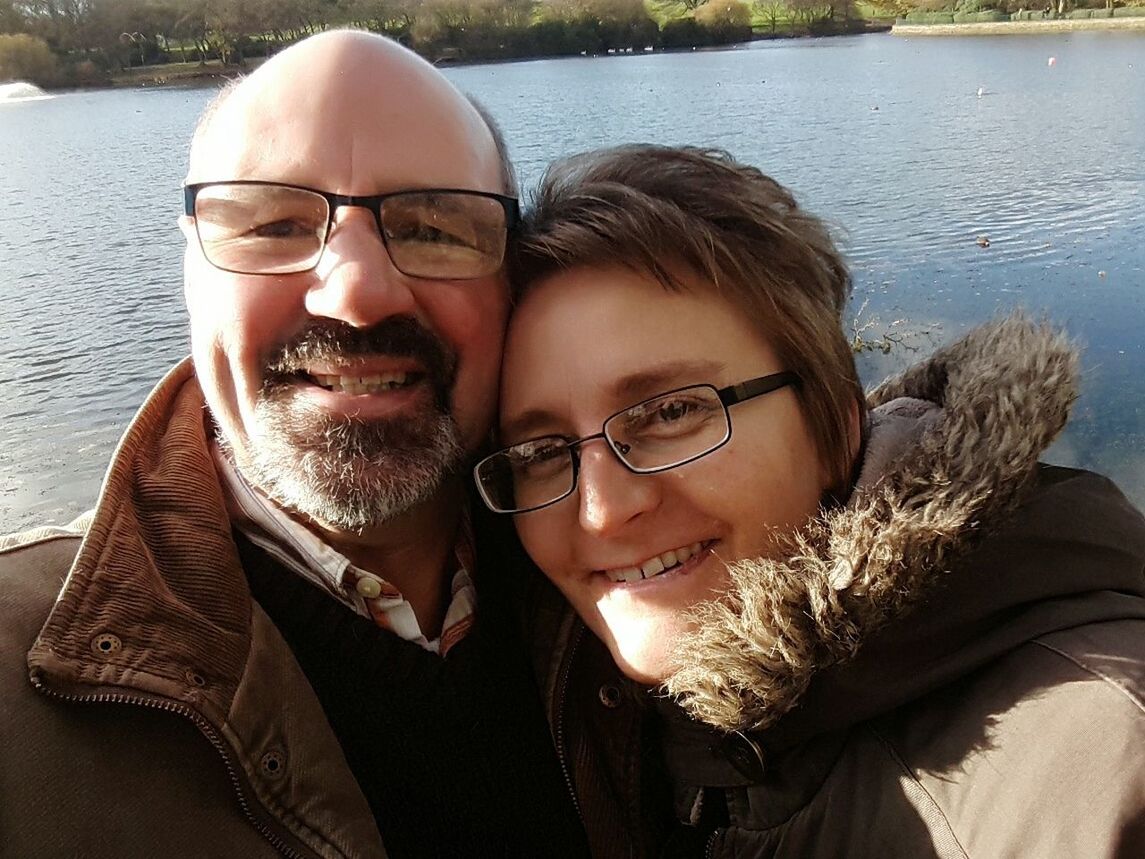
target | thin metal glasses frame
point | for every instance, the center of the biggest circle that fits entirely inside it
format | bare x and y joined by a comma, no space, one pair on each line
728,396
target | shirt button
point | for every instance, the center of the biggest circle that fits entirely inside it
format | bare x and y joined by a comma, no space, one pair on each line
367,587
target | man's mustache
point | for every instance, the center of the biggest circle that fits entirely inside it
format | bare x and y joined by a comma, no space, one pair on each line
331,342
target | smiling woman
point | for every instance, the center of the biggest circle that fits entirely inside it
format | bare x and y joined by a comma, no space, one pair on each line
847,625
645,342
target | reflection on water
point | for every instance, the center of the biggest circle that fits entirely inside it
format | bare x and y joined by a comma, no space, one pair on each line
886,137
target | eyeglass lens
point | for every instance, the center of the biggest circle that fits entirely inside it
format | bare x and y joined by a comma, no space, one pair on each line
271,229
654,435
668,430
444,235
261,229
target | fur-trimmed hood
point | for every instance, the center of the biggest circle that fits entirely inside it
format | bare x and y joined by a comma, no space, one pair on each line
830,629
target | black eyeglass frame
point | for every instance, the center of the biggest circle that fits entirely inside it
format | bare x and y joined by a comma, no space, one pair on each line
729,396
371,202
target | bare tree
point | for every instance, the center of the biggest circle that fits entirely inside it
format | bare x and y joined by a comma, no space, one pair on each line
771,11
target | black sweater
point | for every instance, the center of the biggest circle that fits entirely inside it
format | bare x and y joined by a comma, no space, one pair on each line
453,754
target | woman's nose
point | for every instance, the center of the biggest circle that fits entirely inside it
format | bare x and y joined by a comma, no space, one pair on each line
610,494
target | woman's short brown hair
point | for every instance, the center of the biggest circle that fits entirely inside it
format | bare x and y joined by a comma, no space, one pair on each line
655,209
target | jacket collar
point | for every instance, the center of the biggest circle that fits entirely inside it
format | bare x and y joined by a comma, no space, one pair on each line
156,610
157,571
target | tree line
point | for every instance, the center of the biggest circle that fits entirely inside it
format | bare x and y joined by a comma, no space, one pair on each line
76,42
968,11
86,41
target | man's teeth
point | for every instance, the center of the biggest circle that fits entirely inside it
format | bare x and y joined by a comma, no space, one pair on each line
655,566
362,384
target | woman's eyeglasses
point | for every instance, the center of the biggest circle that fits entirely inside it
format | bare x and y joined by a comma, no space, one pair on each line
253,227
656,434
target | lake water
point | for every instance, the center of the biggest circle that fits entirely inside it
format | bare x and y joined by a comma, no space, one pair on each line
886,137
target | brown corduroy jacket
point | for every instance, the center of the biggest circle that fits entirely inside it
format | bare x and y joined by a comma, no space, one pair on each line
155,615
951,665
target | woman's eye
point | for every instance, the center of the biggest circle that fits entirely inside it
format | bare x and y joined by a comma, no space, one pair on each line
666,412
673,411
539,454
665,418
531,458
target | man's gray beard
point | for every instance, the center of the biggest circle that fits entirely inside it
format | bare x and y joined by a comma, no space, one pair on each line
345,472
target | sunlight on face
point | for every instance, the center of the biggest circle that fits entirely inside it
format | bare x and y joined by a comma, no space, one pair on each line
339,133
586,343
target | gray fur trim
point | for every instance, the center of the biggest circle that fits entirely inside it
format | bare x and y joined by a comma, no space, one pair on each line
1006,390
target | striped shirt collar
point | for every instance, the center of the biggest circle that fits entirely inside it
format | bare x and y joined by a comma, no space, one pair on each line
306,554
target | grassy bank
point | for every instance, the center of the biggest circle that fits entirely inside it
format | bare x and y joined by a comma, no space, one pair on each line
1009,28
176,74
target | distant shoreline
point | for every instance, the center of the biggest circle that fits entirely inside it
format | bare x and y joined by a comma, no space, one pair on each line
1008,28
210,73
213,72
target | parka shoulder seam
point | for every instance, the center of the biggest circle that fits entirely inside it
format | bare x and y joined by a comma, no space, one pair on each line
1089,669
894,755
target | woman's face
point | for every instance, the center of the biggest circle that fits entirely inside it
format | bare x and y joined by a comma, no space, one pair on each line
587,343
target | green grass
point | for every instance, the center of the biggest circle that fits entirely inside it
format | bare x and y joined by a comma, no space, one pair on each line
166,73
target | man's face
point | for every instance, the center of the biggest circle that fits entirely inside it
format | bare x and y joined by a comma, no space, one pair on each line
348,392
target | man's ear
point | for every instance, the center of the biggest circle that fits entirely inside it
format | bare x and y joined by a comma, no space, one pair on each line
187,225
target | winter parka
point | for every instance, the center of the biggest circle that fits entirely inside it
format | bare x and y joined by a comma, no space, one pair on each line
950,664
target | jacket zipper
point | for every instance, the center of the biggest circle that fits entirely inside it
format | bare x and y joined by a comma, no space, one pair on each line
709,850
559,728
205,728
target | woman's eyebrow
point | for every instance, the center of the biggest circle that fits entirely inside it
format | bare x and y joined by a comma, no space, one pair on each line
663,377
623,392
526,425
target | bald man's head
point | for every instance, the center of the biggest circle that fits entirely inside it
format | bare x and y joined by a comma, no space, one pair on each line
290,346
377,55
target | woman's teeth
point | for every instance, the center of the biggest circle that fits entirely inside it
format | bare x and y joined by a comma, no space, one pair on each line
362,384
655,566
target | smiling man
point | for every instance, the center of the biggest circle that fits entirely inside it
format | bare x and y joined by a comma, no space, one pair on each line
278,634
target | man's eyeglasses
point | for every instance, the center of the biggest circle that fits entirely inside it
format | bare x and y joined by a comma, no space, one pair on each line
252,227
654,435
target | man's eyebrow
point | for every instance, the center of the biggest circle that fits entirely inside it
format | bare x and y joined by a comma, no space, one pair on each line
623,392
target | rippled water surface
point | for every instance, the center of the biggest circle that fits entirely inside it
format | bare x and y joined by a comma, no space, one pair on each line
884,136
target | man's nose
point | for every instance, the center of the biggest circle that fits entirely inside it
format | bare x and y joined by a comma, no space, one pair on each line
357,281
610,495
